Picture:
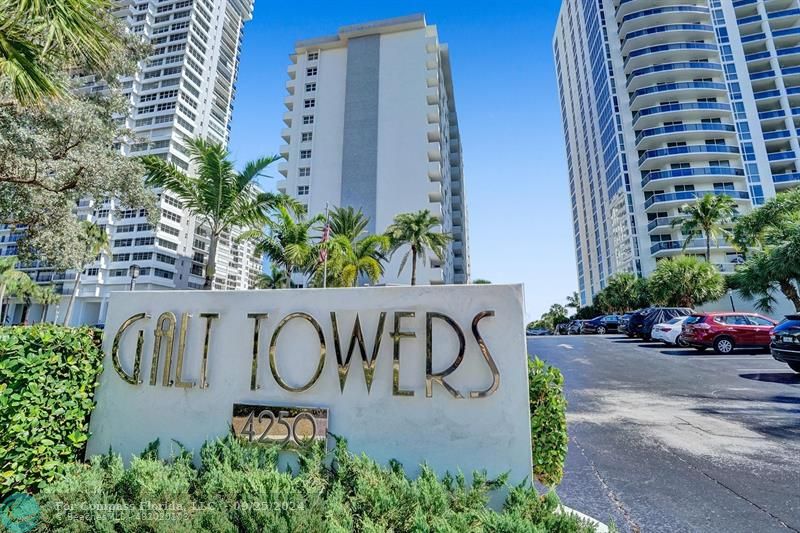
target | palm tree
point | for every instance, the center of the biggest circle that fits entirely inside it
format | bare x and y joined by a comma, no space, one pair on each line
349,259
47,296
416,231
94,240
707,218
218,195
274,280
574,300
288,241
36,35
686,282
347,222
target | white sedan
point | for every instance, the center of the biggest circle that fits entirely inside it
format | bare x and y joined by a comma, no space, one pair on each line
669,332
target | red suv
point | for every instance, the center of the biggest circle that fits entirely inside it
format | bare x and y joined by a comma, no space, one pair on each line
726,331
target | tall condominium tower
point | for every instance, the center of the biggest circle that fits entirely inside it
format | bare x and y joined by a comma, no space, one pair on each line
664,102
371,123
185,88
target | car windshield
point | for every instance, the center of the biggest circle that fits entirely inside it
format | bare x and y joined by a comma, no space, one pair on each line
675,321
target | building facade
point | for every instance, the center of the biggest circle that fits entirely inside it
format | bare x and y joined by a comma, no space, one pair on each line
663,103
185,88
371,123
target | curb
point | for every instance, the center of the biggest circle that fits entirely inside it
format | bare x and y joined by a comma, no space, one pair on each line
599,526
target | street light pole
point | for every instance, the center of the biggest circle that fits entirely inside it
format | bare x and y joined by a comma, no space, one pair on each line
133,272
730,295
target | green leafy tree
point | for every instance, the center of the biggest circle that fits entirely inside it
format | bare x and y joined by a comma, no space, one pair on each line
275,279
38,37
771,237
288,243
686,282
348,222
416,230
94,240
63,150
218,195
481,281
9,276
708,218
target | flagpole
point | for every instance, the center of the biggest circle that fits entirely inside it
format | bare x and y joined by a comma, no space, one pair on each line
325,244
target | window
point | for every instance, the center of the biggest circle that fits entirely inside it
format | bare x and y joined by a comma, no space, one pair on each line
118,272
169,230
313,56
724,186
760,321
311,71
305,154
144,241
684,188
199,244
91,271
302,190
142,256
308,119
126,229
144,227
306,136
128,213
169,215
121,243
168,245
164,258
304,172
309,103
311,87
120,257
163,273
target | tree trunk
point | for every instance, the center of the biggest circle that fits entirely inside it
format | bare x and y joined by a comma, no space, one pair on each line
211,264
45,308
708,247
26,307
288,276
413,265
790,291
68,313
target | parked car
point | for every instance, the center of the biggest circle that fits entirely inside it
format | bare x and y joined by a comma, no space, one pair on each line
562,329
538,332
641,322
725,332
575,327
669,332
623,322
601,325
785,345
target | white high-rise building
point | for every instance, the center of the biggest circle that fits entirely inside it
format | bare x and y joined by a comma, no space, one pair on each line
371,123
185,88
664,102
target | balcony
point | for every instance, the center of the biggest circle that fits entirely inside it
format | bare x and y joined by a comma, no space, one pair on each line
289,103
694,149
690,175
286,134
677,14
673,197
648,55
686,32
660,224
687,90
781,156
665,248
435,171
687,131
667,72
434,151
787,180
698,110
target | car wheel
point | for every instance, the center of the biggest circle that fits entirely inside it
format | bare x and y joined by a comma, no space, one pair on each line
601,330
794,365
724,345
680,342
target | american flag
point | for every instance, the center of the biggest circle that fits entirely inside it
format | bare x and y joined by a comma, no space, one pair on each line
323,251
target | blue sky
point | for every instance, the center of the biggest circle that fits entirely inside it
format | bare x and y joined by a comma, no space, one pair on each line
505,89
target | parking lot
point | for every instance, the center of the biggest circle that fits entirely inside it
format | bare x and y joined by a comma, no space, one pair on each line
671,439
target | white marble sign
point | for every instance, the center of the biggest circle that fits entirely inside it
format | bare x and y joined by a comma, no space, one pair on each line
282,348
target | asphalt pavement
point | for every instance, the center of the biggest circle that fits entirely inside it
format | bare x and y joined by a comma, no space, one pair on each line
669,439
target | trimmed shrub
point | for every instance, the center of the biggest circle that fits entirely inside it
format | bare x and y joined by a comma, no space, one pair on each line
548,409
47,381
239,487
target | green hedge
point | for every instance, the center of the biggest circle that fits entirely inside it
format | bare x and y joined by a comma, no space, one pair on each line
47,381
240,487
548,409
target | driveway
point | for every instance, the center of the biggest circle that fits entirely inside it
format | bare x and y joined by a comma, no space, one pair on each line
668,439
